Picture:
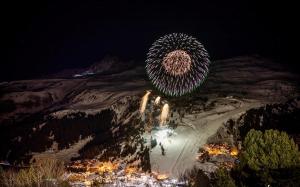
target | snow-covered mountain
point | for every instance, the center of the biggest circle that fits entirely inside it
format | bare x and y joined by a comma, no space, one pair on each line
97,115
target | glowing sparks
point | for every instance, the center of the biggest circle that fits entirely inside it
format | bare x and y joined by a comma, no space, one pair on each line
144,102
157,100
164,115
177,64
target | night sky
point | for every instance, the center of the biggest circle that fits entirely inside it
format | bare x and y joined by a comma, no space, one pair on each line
45,37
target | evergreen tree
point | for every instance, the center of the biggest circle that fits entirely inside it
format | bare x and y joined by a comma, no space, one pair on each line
269,157
223,178
269,150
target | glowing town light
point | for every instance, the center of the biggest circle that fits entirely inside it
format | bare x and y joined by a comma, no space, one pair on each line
130,170
115,174
164,115
144,102
234,151
220,149
162,176
157,100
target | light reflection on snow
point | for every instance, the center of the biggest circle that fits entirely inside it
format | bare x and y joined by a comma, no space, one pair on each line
163,133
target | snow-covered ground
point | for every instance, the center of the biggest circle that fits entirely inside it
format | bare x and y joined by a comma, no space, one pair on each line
228,84
182,147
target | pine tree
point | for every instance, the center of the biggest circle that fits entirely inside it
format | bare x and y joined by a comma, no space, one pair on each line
269,157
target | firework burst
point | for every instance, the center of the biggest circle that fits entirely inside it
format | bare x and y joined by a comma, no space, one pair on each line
177,64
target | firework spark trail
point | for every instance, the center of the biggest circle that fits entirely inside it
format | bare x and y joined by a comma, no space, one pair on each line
157,100
164,114
177,64
144,102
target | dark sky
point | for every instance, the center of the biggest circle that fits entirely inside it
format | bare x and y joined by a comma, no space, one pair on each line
45,37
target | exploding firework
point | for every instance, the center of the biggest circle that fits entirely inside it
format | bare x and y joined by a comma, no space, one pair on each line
177,64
